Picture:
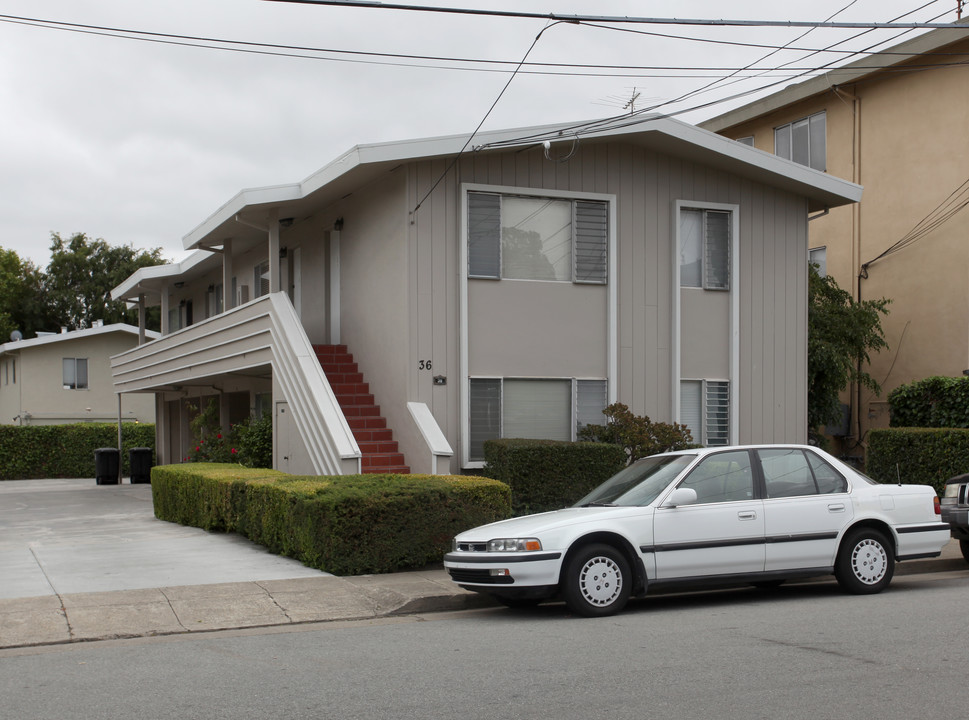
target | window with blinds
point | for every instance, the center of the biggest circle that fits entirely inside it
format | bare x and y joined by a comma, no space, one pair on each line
705,409
533,238
535,408
705,249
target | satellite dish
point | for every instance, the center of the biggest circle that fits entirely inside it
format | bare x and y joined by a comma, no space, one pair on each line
16,336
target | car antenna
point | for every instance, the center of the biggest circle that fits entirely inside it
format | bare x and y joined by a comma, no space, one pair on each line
898,474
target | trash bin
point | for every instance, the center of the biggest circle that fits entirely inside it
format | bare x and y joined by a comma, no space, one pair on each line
140,461
106,466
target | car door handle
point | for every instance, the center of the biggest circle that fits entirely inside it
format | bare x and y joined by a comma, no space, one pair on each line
747,515
836,507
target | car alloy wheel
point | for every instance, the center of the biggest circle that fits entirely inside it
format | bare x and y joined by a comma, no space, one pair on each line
865,563
597,581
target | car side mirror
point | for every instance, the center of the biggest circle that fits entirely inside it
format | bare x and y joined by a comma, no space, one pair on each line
681,496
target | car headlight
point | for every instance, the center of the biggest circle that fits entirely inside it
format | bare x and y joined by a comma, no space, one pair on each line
951,491
514,545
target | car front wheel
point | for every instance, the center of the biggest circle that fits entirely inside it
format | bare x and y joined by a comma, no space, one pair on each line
964,546
865,563
597,581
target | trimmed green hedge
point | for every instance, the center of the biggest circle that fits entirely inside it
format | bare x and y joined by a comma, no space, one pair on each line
550,474
935,402
346,525
924,456
65,451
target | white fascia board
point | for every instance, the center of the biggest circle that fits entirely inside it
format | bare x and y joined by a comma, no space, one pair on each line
244,199
76,335
131,287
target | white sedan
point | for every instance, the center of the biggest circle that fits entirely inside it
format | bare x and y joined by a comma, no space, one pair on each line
715,516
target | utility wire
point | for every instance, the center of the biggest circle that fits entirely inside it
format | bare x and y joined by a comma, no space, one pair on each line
295,51
457,157
624,19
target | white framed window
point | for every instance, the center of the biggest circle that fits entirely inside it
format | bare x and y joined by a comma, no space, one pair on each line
803,141
535,408
75,373
819,257
525,237
705,409
705,248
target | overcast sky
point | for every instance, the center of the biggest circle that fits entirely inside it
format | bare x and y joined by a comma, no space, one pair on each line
138,142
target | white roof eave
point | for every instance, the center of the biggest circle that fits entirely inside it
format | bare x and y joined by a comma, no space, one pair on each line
822,190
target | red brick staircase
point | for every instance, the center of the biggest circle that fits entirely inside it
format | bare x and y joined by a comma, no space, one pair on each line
376,440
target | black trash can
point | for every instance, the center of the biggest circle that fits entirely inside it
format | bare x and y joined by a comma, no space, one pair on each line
107,463
140,461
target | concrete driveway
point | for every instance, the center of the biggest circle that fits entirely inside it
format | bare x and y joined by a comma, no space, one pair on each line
61,537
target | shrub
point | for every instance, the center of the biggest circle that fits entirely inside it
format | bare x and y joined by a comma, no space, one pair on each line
934,402
640,436
249,443
549,474
346,525
65,451
923,456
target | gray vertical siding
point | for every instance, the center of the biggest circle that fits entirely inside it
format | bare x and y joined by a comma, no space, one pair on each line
773,250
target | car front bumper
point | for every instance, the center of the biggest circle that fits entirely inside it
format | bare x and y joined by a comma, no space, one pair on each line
492,571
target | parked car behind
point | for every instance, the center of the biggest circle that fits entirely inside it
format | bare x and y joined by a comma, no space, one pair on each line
955,510
729,515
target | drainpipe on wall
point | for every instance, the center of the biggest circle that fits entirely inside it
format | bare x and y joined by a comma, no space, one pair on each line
856,390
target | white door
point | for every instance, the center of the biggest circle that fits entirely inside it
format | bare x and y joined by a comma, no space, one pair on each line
806,507
723,533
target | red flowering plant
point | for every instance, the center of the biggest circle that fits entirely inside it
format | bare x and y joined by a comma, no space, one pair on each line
211,444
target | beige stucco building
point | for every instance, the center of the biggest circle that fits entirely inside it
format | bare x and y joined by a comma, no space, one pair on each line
58,378
894,123
510,290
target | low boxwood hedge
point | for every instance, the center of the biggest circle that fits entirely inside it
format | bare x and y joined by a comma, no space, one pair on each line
345,525
550,474
65,451
924,456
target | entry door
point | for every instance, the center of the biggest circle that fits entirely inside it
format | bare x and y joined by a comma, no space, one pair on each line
723,533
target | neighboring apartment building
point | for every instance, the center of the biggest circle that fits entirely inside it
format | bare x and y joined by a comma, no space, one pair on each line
65,377
894,123
509,291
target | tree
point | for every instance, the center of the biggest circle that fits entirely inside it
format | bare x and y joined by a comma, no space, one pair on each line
22,304
842,334
639,435
81,274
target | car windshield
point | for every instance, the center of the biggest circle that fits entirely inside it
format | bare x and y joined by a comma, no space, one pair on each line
638,484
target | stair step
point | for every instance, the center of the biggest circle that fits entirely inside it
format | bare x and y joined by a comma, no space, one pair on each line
353,400
390,470
350,388
366,423
344,378
338,368
360,410
330,349
372,435
376,446
391,459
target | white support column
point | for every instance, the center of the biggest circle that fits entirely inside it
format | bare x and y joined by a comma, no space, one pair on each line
228,302
164,312
141,319
274,252
334,287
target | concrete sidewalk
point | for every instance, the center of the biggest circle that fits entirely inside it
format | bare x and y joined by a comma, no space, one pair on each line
125,573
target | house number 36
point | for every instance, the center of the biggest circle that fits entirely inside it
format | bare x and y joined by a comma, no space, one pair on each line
424,365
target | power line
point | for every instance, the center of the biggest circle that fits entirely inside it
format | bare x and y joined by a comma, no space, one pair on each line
500,66
621,19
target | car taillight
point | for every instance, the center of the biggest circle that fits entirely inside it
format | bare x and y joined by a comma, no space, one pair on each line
938,505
